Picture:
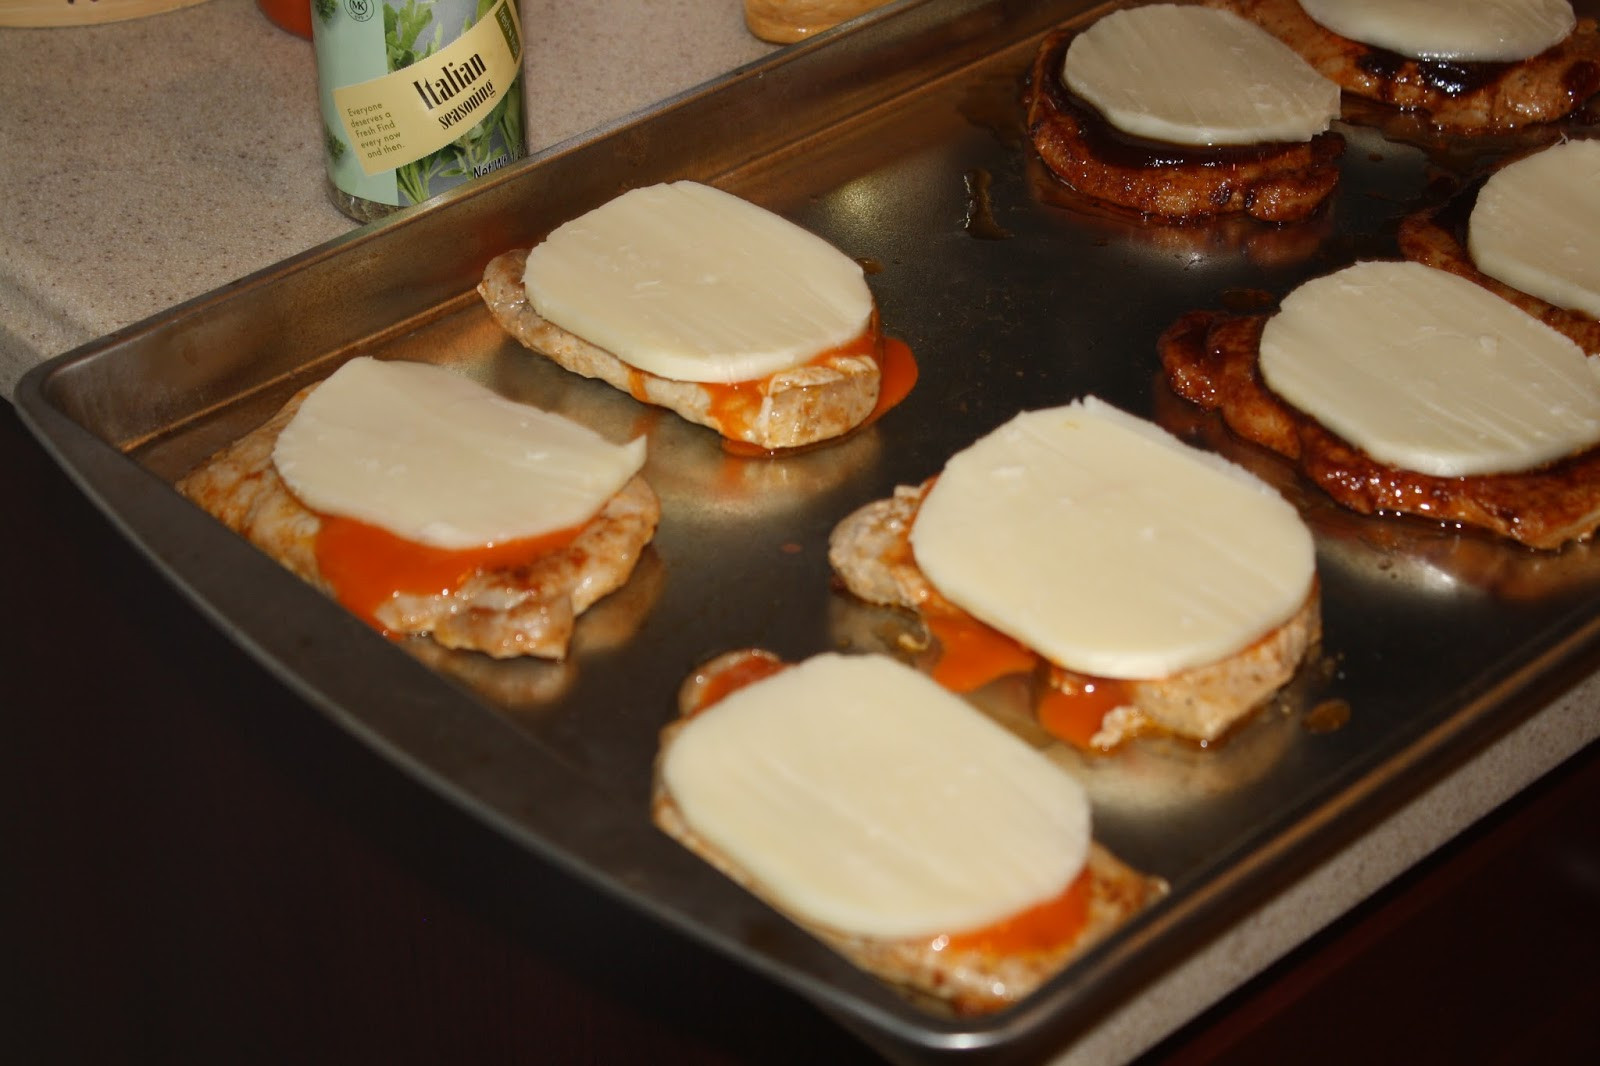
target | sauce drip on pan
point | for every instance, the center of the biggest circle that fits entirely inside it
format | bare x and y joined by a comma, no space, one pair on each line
980,222
1053,923
737,405
972,654
898,374
730,676
1070,706
1328,716
366,565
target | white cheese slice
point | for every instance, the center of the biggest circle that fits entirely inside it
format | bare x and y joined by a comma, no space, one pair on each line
1426,371
695,284
1108,546
1469,30
863,796
434,458
1195,76
1536,226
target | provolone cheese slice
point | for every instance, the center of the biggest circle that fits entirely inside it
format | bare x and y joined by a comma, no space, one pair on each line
862,795
437,459
1536,226
1472,30
1426,371
691,283
1196,76
1108,546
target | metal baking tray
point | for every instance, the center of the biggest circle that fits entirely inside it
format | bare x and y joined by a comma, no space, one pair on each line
898,137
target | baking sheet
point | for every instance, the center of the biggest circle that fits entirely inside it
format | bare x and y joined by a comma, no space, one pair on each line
899,139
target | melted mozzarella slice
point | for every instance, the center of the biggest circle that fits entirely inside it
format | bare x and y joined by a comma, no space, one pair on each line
1536,226
1472,30
437,459
1426,371
691,283
863,796
1110,547
1196,76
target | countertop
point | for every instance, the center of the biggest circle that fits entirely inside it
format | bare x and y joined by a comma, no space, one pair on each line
150,161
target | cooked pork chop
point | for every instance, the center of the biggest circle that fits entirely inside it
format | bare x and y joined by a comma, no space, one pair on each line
1278,182
813,402
1428,238
1462,97
966,980
1212,359
507,612
871,553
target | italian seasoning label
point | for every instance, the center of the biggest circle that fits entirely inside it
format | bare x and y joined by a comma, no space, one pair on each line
417,96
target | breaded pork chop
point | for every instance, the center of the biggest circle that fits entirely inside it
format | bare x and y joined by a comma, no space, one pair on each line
1212,359
967,978
507,612
1461,97
813,402
1427,237
1278,182
870,551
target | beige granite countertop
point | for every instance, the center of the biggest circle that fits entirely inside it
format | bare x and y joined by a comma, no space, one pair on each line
150,161
146,162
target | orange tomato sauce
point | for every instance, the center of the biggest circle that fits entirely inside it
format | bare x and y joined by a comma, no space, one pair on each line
366,565
972,654
1070,706
898,375
747,670
736,406
1054,923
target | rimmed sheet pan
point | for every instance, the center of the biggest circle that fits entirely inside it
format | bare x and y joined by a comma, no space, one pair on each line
897,137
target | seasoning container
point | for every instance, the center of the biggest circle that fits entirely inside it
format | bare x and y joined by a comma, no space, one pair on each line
418,96
787,21
291,15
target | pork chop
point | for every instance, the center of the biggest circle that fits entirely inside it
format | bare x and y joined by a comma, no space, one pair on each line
1212,359
1433,238
813,402
1279,182
870,551
506,612
1462,97
966,978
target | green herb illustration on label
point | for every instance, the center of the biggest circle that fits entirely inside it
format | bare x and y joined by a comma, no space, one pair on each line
429,104
487,146
401,28
332,145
